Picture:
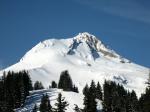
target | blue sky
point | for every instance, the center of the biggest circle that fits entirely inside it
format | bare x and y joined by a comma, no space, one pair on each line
124,25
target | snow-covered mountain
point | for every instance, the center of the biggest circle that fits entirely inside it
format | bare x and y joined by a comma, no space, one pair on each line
86,58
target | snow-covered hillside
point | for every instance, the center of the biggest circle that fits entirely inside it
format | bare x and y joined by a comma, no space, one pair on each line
86,58
35,98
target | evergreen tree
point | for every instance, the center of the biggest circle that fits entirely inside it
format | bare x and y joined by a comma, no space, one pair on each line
54,84
99,94
86,103
45,105
115,98
89,98
38,85
65,81
86,99
85,90
1,94
92,97
27,83
134,101
22,93
14,90
145,101
61,104
92,88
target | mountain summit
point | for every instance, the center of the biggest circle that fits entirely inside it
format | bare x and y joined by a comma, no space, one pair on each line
86,58
95,45
83,45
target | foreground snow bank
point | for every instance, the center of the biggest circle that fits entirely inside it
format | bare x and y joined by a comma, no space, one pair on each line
35,98
71,97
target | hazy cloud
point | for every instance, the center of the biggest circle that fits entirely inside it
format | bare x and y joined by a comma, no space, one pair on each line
131,9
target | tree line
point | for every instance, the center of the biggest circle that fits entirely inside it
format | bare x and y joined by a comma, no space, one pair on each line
14,88
115,98
65,83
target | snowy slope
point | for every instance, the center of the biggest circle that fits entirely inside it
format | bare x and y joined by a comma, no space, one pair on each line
86,58
35,98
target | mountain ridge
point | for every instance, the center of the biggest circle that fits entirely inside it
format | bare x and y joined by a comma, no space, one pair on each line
86,58
90,40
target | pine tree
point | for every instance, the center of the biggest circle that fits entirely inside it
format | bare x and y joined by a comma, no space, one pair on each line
9,89
22,92
85,90
14,90
99,94
134,101
92,88
38,85
117,99
90,98
27,83
86,103
1,94
54,84
109,96
61,104
65,81
128,103
45,105
145,101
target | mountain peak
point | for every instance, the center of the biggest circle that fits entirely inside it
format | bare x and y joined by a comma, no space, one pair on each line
96,44
83,45
87,37
85,57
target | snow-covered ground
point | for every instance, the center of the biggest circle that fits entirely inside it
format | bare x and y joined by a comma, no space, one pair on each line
86,58
35,98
